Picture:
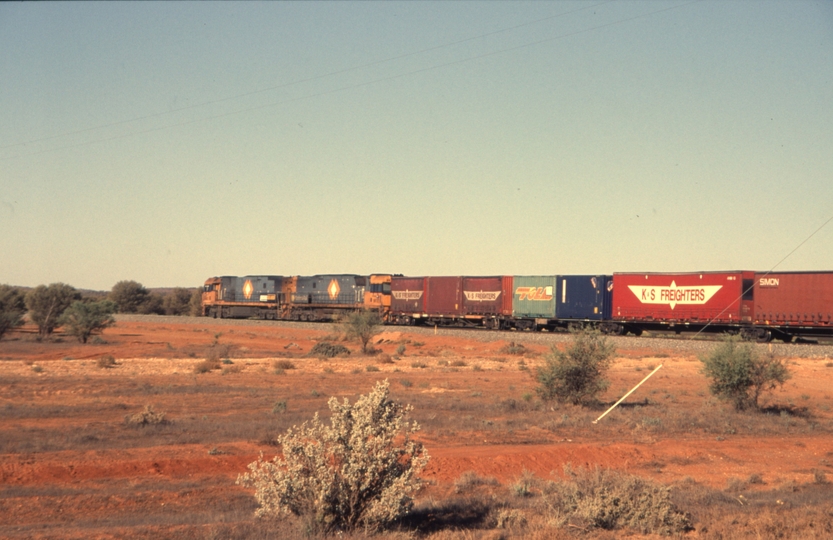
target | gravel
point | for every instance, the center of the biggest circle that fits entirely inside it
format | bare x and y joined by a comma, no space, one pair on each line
682,344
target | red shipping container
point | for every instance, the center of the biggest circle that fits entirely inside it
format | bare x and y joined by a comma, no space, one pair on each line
487,295
794,298
407,295
444,296
684,298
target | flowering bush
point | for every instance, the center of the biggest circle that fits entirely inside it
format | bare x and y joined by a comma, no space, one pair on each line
358,472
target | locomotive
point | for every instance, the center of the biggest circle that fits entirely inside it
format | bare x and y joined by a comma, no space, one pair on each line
758,305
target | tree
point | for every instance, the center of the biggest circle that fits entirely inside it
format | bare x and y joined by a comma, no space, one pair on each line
83,318
361,325
12,308
177,302
129,296
576,375
47,303
358,472
739,374
195,304
153,305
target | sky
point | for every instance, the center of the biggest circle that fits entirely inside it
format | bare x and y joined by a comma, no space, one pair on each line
168,142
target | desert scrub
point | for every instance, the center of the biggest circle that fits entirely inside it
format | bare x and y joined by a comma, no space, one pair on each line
147,417
610,500
283,365
359,472
576,375
739,374
517,349
106,361
325,349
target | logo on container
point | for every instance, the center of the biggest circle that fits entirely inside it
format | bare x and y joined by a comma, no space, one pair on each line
768,282
673,295
406,295
481,296
543,294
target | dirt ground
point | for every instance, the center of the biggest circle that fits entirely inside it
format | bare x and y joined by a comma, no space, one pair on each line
73,466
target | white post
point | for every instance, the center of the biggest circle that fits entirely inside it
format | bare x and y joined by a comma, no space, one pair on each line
629,393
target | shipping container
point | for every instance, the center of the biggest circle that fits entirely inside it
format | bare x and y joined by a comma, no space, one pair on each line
487,296
533,297
788,299
586,298
407,297
717,298
444,297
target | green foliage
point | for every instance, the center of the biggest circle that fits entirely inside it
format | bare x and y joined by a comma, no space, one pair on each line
739,374
153,305
177,302
46,304
12,308
358,472
81,319
576,374
361,325
129,296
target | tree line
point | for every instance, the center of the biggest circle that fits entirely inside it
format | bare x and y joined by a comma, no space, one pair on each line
59,305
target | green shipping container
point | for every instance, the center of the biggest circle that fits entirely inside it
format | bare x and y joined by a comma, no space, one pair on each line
534,297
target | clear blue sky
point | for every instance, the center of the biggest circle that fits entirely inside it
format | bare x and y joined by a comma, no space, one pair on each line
169,142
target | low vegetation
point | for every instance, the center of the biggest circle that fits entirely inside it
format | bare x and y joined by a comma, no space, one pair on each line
325,349
576,375
740,374
361,326
360,472
82,319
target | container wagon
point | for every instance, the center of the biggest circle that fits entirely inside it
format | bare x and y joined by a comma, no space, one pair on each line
717,301
793,304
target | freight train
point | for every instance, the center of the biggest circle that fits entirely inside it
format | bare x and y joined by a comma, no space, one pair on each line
758,305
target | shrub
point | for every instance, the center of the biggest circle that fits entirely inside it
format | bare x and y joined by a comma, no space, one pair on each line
400,350
358,472
146,418
205,366
279,407
739,374
46,304
513,348
361,325
12,308
370,368
106,361
81,319
609,500
283,364
325,349
217,352
576,375
470,480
